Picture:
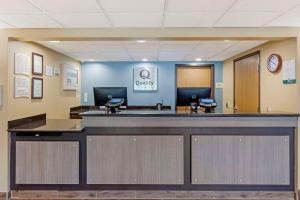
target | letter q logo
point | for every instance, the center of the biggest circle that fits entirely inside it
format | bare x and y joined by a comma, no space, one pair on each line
145,74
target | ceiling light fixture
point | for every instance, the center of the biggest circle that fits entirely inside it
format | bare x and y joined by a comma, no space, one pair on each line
55,41
144,59
198,59
141,41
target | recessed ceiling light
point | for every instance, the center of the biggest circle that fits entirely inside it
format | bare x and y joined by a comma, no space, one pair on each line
141,41
144,59
198,59
54,41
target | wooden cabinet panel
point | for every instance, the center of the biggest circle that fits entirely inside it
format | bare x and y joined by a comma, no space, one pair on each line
215,160
265,160
160,159
135,160
111,160
39,162
253,160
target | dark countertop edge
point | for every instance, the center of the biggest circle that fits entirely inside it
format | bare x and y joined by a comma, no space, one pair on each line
45,131
190,115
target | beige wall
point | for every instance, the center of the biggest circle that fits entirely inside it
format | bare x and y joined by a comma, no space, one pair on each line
56,102
274,94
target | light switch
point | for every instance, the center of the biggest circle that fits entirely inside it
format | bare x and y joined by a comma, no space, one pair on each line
85,97
219,85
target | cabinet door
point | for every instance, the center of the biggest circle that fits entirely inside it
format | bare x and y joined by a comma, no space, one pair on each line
215,159
265,160
135,160
41,162
160,159
253,160
111,160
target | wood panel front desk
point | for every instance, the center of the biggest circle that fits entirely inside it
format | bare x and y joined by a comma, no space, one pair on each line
157,150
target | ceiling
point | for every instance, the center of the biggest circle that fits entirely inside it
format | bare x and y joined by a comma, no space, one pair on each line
151,50
148,13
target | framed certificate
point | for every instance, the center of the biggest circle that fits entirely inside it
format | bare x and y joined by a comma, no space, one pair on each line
37,64
70,77
37,88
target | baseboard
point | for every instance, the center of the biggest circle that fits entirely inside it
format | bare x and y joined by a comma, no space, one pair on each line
4,195
149,195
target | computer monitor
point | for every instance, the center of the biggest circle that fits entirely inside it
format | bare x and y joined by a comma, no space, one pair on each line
103,94
187,95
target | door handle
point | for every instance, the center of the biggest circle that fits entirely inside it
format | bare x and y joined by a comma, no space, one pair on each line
235,108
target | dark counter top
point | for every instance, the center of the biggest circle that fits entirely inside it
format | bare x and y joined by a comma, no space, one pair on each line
75,125
173,113
50,125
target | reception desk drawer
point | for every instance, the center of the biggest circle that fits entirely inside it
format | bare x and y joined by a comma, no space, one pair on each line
243,160
135,159
47,162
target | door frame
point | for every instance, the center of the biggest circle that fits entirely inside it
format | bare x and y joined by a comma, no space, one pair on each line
191,66
259,69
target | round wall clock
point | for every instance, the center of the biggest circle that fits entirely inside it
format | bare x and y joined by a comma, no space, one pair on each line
274,63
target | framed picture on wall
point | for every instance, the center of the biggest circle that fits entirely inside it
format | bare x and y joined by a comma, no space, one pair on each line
37,64
37,88
70,77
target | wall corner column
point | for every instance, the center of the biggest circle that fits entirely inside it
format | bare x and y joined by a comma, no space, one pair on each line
4,144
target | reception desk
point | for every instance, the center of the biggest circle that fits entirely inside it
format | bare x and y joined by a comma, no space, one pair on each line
156,150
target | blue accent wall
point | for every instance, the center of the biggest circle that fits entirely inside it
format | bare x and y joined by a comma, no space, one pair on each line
120,74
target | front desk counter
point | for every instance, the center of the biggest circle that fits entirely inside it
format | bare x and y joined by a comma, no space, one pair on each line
156,150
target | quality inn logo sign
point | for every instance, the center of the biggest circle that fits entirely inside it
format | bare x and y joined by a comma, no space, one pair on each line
145,74
145,78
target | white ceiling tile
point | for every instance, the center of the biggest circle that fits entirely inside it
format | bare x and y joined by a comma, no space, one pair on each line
121,56
191,19
246,19
198,5
291,18
133,5
141,48
136,44
82,20
118,56
118,51
176,47
17,7
29,20
150,55
207,49
178,42
68,6
4,25
106,48
171,56
264,5
239,47
136,19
